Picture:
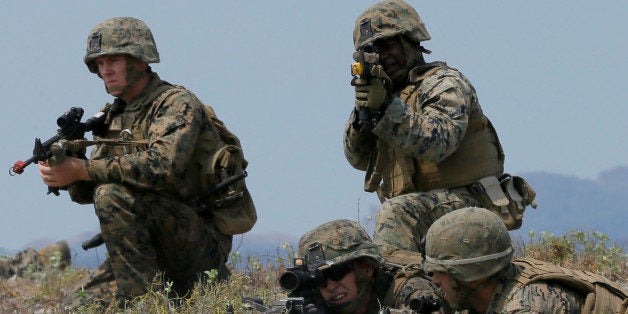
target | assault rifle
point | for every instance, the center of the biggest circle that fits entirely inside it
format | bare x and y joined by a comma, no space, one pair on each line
366,57
301,284
289,305
64,142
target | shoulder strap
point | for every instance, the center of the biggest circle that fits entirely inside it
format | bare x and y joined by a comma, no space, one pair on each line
407,94
535,270
227,135
166,91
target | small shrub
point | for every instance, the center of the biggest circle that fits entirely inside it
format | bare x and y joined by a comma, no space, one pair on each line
577,249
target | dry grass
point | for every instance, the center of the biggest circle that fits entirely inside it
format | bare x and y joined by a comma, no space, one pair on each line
589,251
43,291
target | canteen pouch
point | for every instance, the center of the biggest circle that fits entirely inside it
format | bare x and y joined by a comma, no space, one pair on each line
233,210
507,197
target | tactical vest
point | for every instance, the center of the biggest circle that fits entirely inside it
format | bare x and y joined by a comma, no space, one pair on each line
126,126
217,158
479,155
602,295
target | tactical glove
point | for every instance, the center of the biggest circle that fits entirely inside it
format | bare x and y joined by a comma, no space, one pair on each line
372,93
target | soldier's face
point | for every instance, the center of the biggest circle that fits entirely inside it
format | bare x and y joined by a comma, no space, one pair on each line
392,55
112,70
340,291
120,74
393,59
343,293
456,295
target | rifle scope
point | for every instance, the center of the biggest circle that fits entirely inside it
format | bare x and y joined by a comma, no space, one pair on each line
70,118
298,279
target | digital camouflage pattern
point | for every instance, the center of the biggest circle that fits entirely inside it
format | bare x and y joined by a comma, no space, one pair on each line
402,221
145,221
388,19
431,141
341,241
56,255
430,129
540,297
344,241
395,291
536,286
473,244
121,35
469,244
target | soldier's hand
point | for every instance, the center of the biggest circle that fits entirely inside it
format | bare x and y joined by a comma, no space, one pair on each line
375,93
67,172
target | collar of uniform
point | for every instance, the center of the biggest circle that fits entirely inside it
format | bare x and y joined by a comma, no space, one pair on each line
147,95
384,287
504,278
420,72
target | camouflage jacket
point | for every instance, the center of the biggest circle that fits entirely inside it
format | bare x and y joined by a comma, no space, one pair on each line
537,297
171,128
426,122
433,135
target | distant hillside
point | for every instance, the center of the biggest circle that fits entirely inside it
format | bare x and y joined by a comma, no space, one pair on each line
567,203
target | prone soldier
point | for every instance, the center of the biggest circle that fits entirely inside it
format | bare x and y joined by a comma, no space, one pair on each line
343,271
470,257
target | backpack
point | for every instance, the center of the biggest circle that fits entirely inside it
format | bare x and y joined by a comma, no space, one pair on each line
214,179
229,202
602,295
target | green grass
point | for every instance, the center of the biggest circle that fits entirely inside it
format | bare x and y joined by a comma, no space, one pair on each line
44,290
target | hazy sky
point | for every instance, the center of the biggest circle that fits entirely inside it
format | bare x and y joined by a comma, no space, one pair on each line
550,75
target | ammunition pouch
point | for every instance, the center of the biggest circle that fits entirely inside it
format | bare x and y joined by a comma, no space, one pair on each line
507,197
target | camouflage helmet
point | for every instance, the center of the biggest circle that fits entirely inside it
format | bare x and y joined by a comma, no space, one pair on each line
468,244
388,19
337,242
121,35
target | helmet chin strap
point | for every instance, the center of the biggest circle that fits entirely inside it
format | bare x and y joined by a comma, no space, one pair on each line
464,292
413,53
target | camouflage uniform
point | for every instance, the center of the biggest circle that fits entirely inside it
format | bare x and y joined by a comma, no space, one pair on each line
31,260
422,147
473,244
344,241
539,297
147,219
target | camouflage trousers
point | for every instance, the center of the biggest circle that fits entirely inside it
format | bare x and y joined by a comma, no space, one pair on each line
402,221
149,233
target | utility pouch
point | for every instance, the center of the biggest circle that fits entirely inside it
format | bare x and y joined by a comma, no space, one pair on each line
232,207
223,195
507,197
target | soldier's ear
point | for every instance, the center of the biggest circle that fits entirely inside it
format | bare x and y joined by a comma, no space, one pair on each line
366,268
